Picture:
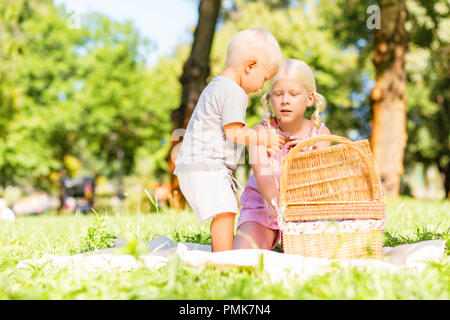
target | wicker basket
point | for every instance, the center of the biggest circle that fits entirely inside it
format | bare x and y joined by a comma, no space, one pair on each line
336,183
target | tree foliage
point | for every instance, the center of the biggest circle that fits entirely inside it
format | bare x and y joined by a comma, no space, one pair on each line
71,93
428,118
73,98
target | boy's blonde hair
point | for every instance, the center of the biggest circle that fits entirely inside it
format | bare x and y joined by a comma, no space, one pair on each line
255,43
298,70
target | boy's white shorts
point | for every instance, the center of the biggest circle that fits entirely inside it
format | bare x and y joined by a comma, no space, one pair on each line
209,192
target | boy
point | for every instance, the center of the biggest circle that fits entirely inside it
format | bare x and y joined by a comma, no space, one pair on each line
216,133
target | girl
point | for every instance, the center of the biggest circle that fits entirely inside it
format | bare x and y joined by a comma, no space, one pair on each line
291,91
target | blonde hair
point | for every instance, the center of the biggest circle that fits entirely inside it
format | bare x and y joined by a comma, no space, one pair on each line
298,70
256,43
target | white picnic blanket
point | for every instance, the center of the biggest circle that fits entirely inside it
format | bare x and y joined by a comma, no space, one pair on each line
280,266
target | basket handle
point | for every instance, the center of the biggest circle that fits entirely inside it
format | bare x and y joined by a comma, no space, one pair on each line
374,178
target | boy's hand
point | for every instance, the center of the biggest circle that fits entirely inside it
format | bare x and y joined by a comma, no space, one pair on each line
271,139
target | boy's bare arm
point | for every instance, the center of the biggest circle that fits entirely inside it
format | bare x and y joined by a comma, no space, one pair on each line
240,133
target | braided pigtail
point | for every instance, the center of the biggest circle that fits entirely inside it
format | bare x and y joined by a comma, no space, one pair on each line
268,112
319,103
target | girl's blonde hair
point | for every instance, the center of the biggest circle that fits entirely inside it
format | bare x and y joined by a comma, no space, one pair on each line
298,70
255,43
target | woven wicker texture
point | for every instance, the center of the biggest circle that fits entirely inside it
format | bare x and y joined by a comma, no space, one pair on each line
352,245
339,182
334,211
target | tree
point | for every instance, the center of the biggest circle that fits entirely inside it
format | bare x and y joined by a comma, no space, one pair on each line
193,79
68,101
117,111
427,119
13,14
352,25
43,72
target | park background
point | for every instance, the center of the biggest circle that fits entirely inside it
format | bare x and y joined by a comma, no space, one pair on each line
96,89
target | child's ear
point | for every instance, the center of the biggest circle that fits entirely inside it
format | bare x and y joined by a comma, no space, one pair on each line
250,65
310,101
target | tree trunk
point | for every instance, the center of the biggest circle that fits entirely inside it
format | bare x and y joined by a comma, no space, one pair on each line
195,72
62,193
388,97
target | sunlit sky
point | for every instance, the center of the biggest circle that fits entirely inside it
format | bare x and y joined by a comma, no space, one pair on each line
165,23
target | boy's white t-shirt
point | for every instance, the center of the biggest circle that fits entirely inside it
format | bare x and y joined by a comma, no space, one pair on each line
205,146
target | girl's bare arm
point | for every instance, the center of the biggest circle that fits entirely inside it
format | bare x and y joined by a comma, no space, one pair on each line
262,170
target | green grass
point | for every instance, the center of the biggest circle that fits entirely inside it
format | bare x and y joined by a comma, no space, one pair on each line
31,237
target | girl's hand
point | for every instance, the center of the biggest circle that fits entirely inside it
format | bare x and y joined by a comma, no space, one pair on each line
294,140
270,209
271,139
273,213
